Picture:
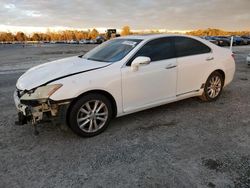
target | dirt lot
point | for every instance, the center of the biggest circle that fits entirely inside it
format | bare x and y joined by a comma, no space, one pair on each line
183,144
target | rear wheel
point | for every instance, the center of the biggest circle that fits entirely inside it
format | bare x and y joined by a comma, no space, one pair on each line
90,115
213,87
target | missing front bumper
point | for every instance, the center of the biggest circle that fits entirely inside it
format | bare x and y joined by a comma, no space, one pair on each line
38,114
40,110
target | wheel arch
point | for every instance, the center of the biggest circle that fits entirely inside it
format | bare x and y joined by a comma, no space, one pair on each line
221,72
96,91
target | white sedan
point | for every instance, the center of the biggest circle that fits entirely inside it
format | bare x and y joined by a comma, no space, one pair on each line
122,76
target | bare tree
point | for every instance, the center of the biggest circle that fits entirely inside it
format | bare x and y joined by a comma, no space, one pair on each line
125,31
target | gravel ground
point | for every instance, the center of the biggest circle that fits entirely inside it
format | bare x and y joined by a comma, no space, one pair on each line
184,144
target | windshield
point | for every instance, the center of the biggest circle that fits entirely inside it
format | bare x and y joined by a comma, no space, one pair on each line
112,51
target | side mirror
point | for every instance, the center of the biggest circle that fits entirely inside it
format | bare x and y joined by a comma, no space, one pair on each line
141,60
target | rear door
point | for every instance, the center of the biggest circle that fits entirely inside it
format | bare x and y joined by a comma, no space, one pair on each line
194,59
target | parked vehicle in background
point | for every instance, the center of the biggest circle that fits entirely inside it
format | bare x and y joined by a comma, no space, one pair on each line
100,39
220,41
84,41
123,76
226,40
247,38
248,59
73,42
239,41
58,42
92,41
223,41
211,39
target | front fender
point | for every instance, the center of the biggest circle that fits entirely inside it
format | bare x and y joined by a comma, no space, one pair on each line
104,79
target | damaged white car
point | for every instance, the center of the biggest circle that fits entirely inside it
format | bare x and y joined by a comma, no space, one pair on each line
122,76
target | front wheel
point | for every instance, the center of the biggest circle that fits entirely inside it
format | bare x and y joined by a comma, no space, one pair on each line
90,115
213,87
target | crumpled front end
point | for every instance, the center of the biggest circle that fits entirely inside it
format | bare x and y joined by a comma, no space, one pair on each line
35,105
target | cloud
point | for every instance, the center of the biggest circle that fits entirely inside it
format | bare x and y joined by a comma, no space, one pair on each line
32,13
139,14
9,6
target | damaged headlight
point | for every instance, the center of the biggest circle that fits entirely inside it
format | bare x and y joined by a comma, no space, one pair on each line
42,92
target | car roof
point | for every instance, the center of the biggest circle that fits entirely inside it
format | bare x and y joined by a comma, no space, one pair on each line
152,36
148,37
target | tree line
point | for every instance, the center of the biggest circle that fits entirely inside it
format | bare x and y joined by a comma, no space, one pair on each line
68,35
218,32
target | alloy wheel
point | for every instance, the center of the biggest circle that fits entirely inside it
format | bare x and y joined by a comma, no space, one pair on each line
214,86
92,116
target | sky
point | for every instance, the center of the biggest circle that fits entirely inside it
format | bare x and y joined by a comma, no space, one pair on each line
172,15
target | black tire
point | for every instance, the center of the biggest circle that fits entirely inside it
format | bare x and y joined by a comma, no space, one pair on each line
206,96
77,105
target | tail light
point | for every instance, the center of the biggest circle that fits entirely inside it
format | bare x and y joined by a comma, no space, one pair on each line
233,56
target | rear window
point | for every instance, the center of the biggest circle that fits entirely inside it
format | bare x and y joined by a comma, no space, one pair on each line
187,46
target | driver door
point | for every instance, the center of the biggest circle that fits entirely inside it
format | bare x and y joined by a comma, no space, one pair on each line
153,83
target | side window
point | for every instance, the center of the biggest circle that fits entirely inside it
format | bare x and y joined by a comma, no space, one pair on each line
187,46
156,50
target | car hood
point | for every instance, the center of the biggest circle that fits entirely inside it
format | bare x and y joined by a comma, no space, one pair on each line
44,73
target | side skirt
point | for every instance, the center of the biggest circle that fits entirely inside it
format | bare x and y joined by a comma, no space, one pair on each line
163,102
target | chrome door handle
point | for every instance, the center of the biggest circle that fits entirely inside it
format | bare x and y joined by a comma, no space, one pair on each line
171,66
210,58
